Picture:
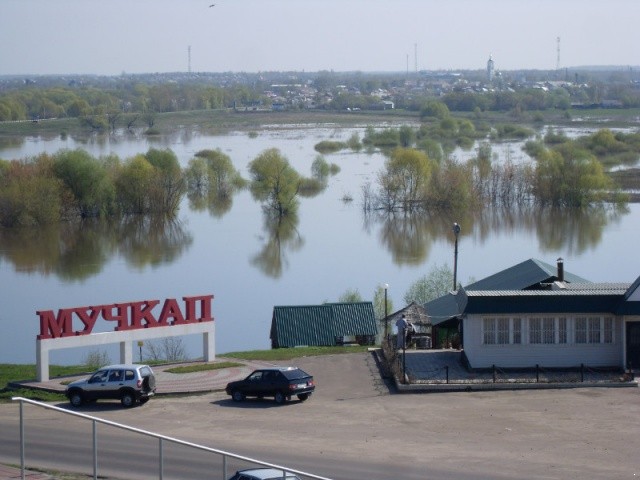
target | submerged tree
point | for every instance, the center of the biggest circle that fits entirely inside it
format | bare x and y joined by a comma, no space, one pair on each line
569,176
88,181
405,180
275,182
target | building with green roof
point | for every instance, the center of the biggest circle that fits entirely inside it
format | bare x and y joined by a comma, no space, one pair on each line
532,315
323,325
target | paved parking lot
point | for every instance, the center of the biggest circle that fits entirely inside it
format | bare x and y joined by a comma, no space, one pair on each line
355,426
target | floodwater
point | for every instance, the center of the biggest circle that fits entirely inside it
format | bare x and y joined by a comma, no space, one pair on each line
250,266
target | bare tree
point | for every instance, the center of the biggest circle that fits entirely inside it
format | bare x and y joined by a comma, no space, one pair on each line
96,359
170,349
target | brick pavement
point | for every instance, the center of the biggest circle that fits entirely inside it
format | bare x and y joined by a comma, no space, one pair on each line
7,472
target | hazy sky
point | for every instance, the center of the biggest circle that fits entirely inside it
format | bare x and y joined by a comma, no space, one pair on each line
143,36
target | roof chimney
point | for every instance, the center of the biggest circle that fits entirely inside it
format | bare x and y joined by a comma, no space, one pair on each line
560,269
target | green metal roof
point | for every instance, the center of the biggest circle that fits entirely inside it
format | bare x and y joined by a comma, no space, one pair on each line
526,274
319,325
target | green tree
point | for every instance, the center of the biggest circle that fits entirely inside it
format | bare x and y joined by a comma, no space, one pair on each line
407,136
569,176
88,181
275,182
435,284
29,193
133,185
434,109
405,179
351,295
168,185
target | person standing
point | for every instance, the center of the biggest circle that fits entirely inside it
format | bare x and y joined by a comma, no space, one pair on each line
401,325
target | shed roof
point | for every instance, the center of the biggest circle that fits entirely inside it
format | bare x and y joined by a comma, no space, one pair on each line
320,324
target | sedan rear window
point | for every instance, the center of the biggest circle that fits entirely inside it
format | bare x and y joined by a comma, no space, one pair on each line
295,374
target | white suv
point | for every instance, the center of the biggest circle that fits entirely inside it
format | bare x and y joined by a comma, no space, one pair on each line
128,383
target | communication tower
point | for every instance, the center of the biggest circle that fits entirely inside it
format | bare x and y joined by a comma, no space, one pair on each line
189,58
558,53
490,69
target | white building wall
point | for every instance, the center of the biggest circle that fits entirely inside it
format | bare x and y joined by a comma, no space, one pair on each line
528,355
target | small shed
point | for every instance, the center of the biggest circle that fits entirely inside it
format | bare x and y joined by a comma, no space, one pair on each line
328,324
416,315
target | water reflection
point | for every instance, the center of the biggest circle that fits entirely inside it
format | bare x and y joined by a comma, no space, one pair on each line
281,236
577,231
152,239
409,238
217,203
77,251
11,142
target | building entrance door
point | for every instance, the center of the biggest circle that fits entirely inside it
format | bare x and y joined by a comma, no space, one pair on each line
633,345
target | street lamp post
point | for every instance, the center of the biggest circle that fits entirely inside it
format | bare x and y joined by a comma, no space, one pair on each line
386,316
456,232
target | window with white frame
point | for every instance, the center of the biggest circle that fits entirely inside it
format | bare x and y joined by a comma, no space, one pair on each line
562,330
581,330
548,330
608,330
503,331
535,330
489,331
517,330
594,330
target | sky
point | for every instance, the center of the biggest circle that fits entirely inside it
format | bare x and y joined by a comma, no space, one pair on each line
111,37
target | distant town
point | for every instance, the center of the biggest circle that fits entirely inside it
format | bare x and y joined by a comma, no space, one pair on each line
469,90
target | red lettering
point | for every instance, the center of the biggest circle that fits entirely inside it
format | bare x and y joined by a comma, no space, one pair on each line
55,327
120,315
141,311
171,309
128,316
88,316
205,308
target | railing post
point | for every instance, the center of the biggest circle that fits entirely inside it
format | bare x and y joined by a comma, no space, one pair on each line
494,372
95,450
447,372
582,372
537,373
160,459
224,466
22,474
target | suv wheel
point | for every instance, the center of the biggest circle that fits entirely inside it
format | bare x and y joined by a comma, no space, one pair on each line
303,396
127,399
75,398
280,398
237,396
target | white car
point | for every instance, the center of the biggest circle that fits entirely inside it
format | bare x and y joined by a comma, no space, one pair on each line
263,474
127,383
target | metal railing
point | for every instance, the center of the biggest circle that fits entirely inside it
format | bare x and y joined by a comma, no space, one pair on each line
161,440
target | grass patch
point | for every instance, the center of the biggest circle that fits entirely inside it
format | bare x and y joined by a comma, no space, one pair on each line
203,367
291,353
17,372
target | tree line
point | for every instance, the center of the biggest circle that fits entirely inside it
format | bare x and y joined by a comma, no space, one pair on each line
72,184
98,103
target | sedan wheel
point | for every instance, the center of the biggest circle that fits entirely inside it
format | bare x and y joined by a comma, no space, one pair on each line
280,398
237,396
303,396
